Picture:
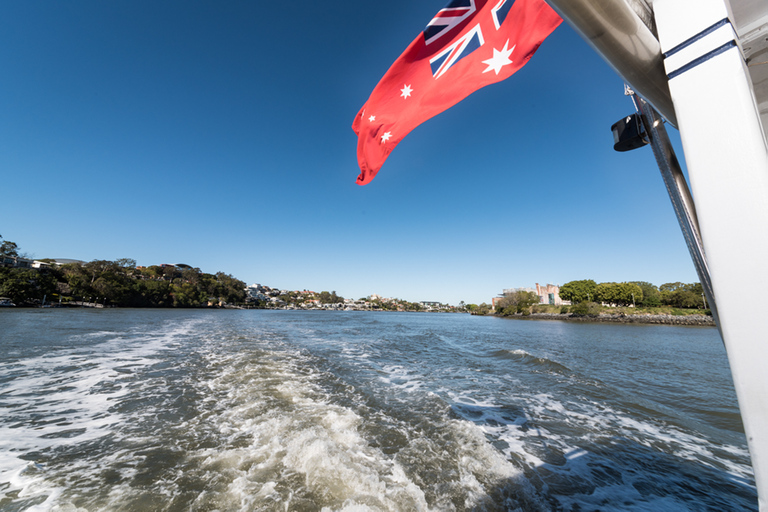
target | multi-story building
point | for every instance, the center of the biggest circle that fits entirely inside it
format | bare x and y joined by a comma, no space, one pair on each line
549,294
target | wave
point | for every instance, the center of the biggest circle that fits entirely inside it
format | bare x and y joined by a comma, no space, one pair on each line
234,414
535,362
59,402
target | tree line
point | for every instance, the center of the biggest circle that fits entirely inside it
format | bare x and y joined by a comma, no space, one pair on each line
635,293
587,295
117,283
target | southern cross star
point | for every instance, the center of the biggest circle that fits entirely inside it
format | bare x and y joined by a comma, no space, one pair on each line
372,118
499,59
406,90
386,137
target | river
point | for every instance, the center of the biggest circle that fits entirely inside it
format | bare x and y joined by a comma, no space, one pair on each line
230,410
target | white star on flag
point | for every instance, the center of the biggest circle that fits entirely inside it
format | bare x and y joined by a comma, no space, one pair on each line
406,90
386,137
372,118
499,59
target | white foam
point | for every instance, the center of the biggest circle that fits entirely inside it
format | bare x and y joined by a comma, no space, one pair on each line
300,436
402,378
73,393
523,437
272,430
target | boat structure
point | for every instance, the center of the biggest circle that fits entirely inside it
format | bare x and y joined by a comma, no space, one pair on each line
702,66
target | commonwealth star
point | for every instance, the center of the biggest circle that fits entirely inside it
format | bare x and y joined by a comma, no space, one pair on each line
499,59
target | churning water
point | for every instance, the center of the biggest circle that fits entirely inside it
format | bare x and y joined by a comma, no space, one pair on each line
198,410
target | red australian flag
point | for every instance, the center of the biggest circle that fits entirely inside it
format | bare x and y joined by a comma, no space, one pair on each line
469,44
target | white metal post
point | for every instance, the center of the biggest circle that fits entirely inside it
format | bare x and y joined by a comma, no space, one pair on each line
727,157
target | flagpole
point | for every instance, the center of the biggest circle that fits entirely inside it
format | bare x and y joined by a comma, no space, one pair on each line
679,193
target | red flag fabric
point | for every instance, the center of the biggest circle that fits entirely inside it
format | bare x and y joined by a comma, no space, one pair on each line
469,44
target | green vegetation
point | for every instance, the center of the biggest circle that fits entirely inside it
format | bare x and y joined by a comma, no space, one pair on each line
330,298
118,283
296,299
122,283
8,249
578,291
619,294
482,309
396,305
24,285
651,296
682,295
590,299
590,309
642,295
514,303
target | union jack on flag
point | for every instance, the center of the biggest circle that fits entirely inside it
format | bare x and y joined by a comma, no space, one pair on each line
447,18
450,18
467,44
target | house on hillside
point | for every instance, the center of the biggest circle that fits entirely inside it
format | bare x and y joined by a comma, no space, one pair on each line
15,262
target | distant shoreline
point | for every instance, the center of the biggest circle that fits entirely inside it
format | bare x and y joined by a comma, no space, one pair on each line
683,320
689,320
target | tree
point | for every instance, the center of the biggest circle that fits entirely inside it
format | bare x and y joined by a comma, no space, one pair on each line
151,293
169,272
186,295
26,285
191,275
619,294
329,298
120,283
591,309
223,287
107,280
651,295
413,306
671,287
152,272
8,249
578,291
232,290
482,309
681,295
126,263
517,302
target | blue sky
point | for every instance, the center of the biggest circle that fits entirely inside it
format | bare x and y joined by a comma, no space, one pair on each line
219,135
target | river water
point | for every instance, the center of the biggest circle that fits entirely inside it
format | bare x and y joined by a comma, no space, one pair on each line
197,410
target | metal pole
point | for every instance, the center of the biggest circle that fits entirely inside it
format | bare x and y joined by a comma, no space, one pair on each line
679,194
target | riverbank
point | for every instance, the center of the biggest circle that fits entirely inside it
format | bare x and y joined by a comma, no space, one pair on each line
692,320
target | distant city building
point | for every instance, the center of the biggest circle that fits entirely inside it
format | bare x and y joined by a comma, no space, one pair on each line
549,294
